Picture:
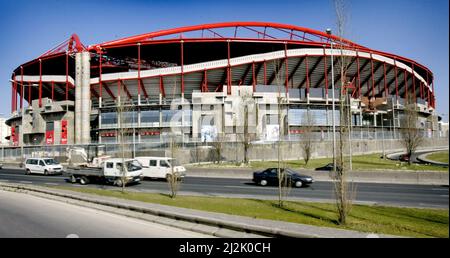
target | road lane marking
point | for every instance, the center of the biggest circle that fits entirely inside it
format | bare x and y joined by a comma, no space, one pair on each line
438,189
250,187
25,182
30,176
51,183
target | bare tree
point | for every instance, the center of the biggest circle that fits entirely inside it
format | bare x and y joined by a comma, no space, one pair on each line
174,178
217,145
344,191
306,138
124,106
284,182
246,104
412,137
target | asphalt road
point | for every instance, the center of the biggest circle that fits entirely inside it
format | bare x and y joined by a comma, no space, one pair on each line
23,215
372,193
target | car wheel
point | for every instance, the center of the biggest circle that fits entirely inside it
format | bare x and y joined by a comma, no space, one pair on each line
46,172
118,182
27,172
73,179
263,182
298,184
84,180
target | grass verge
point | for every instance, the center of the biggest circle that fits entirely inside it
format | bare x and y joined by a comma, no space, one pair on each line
359,162
412,222
441,156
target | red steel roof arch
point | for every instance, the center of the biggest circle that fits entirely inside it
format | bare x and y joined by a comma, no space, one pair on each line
294,36
210,26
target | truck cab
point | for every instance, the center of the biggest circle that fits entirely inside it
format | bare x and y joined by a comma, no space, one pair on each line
110,171
160,167
114,168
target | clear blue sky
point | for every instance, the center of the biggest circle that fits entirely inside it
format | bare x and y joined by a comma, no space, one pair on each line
416,29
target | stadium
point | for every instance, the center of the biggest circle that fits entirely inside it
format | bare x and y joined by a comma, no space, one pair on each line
73,93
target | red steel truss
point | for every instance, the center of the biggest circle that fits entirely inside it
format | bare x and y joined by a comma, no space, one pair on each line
234,32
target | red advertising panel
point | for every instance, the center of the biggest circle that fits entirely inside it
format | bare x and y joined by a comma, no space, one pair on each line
63,131
49,136
14,136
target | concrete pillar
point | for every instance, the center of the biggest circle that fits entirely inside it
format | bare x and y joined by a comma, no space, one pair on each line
78,104
85,98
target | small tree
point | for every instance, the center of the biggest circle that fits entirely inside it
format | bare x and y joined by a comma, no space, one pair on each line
173,179
124,106
306,138
284,182
344,191
217,145
412,137
246,136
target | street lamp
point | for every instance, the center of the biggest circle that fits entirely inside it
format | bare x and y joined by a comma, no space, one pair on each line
332,102
382,134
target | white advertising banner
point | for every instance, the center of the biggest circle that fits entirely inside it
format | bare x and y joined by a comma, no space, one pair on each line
272,132
208,133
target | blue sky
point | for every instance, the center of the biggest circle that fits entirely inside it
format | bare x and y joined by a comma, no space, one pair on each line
416,29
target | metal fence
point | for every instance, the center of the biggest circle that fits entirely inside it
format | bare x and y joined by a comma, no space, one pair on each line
194,151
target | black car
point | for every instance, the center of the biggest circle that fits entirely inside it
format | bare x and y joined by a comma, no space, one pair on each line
327,167
270,177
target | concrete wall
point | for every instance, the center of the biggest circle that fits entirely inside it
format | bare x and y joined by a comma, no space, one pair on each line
35,118
234,152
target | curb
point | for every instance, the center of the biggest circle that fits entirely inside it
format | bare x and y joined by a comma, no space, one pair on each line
388,155
265,231
437,163
201,221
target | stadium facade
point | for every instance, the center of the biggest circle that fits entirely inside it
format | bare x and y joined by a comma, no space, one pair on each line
194,80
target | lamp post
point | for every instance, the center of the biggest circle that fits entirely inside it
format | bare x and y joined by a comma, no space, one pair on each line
1,143
391,125
332,103
441,133
382,134
134,134
393,119
350,132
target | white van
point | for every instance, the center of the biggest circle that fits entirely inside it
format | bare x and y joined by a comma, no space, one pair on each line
44,166
160,167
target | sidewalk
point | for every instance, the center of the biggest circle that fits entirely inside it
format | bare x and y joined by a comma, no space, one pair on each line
204,222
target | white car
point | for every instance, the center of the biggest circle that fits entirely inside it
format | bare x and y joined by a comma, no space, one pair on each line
46,166
160,167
